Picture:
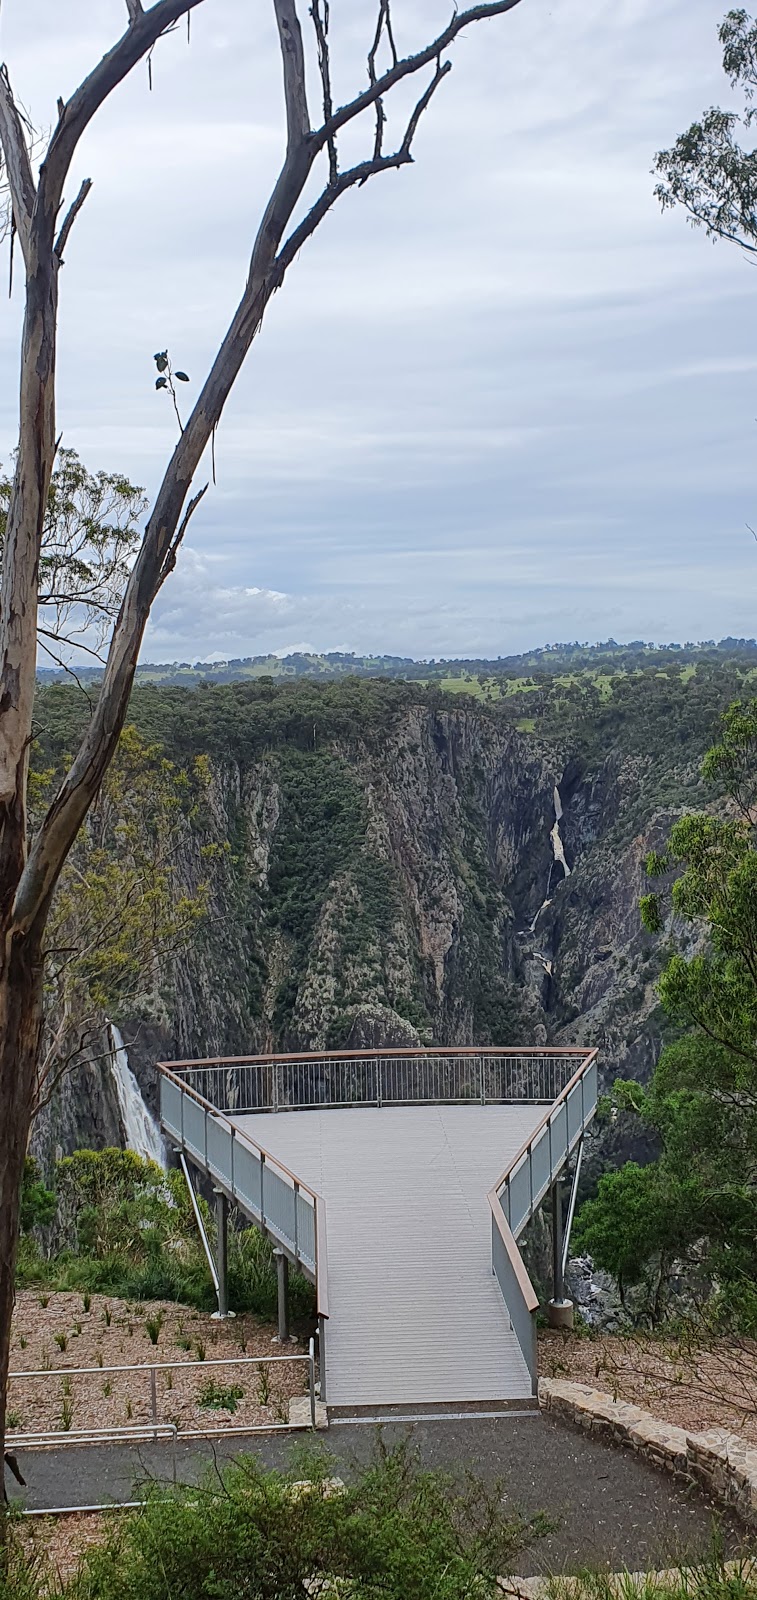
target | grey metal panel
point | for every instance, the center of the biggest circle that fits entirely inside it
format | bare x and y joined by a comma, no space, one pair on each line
247,1178
541,1168
278,1204
591,1088
559,1124
306,1229
575,1115
522,1321
170,1106
194,1127
219,1150
520,1196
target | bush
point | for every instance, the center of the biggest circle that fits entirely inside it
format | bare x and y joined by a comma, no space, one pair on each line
397,1532
128,1230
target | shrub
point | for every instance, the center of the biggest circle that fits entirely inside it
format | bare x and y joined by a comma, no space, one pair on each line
395,1531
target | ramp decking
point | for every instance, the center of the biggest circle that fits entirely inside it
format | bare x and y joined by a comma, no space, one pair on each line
415,1314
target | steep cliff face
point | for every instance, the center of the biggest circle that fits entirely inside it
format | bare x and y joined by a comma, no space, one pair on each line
383,897
387,889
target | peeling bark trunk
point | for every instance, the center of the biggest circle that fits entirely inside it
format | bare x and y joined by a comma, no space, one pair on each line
20,1029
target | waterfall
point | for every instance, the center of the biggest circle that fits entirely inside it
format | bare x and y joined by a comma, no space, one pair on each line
141,1131
558,856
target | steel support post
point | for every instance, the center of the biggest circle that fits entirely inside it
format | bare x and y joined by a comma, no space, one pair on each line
282,1271
222,1251
559,1310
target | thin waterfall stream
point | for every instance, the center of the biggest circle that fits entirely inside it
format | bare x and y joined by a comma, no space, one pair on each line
558,859
141,1131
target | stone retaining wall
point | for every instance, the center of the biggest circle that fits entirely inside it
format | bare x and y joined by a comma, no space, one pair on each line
722,1462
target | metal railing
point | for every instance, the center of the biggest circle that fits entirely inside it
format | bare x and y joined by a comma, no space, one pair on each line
153,1427
196,1094
520,1189
266,1190
311,1080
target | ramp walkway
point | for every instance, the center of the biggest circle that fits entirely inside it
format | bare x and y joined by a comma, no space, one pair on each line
399,1183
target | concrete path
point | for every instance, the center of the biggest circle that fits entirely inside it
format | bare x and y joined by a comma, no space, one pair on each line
415,1314
610,1507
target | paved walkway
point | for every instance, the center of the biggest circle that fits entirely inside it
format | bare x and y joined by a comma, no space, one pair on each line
415,1314
610,1507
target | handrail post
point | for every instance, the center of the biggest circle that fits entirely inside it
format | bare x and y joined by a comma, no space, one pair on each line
296,1209
154,1402
311,1374
262,1192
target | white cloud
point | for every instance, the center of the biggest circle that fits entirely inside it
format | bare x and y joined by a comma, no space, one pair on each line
498,399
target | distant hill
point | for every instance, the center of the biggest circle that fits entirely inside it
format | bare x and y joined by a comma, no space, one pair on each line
486,679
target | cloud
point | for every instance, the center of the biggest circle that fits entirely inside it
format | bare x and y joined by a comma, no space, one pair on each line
499,397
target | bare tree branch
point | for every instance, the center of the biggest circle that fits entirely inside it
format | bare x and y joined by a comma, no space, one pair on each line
293,60
321,25
384,21
134,8
410,64
72,214
17,164
170,561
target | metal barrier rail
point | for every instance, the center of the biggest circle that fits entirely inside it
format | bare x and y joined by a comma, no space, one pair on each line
280,1202
154,1428
310,1080
521,1188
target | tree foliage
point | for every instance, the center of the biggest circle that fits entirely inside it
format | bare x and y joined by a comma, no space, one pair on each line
90,535
698,1202
709,170
120,911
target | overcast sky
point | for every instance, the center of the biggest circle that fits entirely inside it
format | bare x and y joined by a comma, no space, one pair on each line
499,400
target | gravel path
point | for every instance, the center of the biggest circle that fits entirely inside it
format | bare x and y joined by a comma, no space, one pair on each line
610,1507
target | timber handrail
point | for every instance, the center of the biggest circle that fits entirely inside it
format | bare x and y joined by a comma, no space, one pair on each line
587,1057
394,1053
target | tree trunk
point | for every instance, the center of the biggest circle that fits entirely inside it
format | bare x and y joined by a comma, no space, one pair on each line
20,1028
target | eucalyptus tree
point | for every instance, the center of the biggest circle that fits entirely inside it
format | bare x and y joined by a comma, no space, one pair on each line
311,181
711,169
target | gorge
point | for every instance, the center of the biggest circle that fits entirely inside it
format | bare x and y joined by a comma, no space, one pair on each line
386,864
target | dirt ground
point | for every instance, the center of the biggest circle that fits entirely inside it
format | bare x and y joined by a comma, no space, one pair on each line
692,1387
56,1333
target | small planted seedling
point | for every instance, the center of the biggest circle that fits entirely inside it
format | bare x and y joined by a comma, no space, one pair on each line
66,1413
214,1397
14,1419
22,1342
108,1316
44,1300
264,1385
184,1343
129,1410
60,1340
86,1301
107,1388
153,1326
200,1350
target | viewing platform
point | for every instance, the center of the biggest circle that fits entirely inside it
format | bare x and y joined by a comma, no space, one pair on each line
399,1182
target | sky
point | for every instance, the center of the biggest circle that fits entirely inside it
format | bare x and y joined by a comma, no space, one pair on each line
499,400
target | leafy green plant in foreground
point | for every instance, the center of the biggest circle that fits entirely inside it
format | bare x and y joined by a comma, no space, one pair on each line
395,1532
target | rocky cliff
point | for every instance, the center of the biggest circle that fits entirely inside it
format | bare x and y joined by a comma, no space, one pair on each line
403,882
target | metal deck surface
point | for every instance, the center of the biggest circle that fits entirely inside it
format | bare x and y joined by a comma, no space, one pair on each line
415,1315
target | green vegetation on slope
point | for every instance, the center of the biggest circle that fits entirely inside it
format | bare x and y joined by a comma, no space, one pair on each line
119,1225
697,1204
